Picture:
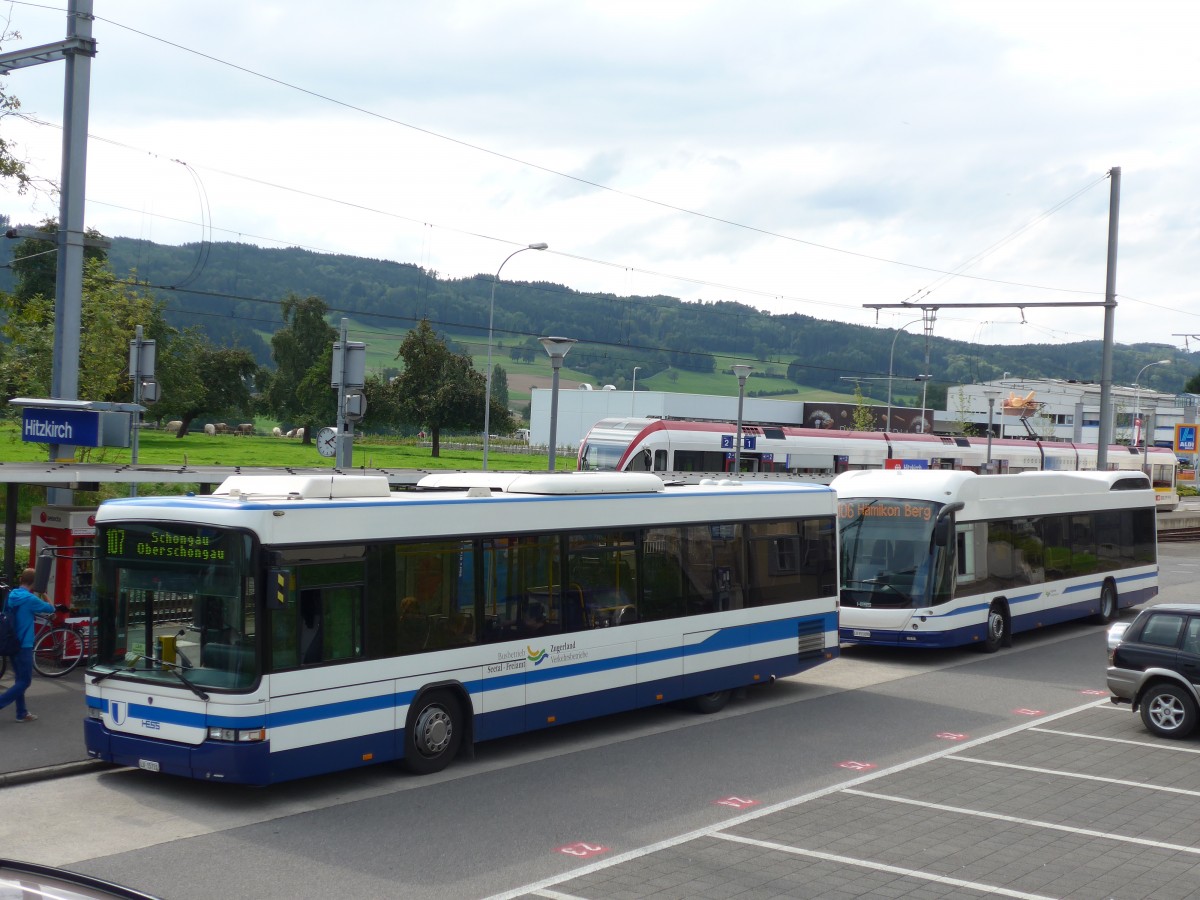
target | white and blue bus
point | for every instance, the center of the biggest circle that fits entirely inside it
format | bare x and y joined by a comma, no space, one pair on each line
286,626
939,559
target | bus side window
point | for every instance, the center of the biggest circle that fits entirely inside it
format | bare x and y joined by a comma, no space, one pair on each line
311,630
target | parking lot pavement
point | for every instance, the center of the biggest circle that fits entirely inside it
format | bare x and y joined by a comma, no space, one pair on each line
1081,804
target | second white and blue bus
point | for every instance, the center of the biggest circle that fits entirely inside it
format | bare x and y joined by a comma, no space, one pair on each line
939,559
286,626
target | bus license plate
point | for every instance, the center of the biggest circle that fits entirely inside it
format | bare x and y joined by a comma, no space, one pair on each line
148,764
861,632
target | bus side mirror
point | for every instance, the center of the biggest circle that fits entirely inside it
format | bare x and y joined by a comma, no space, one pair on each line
945,522
41,579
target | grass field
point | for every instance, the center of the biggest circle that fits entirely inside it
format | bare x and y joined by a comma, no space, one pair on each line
198,448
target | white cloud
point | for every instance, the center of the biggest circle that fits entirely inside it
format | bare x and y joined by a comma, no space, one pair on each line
830,138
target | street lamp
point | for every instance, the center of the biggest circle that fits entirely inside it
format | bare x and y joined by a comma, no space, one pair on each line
891,357
1138,412
992,394
557,347
487,393
633,392
742,372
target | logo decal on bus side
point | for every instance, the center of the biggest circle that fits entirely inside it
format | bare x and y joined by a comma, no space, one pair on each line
537,657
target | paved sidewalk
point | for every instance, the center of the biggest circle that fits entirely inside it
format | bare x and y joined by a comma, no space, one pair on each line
52,745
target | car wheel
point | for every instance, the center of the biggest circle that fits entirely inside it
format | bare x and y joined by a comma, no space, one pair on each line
997,629
434,733
1108,604
1168,711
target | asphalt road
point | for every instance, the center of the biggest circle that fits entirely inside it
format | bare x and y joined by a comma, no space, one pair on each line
880,774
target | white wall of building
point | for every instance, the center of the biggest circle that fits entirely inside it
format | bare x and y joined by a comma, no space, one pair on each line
579,410
1069,411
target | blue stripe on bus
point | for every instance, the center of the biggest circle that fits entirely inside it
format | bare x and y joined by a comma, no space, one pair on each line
1021,621
256,764
723,639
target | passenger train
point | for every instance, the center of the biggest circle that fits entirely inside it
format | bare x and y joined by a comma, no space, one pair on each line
685,448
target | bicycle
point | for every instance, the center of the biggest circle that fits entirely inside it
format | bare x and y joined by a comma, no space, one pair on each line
58,646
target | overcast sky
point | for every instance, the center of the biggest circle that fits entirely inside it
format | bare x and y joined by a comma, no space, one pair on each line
806,157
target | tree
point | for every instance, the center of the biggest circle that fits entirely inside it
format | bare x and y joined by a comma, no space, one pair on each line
110,312
35,262
1193,385
863,418
222,378
11,168
499,388
439,389
299,389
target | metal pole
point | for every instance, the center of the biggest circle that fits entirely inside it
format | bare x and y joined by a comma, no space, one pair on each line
633,393
487,391
891,358
340,459
135,417
68,301
1110,311
556,364
742,372
991,418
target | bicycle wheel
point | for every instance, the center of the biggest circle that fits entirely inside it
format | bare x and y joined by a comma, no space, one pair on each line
57,652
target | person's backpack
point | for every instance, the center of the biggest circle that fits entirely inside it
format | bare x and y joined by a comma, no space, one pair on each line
10,643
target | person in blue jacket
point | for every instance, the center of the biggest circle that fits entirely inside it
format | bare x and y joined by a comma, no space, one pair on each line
24,605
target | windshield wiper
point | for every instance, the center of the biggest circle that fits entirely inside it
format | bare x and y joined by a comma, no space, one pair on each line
175,669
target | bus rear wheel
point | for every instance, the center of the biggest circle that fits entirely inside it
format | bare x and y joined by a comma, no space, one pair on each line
1108,604
997,628
433,734
709,703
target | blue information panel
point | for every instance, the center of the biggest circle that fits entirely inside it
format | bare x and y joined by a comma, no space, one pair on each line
80,427
749,441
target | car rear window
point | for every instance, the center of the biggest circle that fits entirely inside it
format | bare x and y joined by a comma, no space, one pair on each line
1162,629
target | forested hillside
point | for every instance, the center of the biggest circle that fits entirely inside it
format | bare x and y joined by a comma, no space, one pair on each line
233,292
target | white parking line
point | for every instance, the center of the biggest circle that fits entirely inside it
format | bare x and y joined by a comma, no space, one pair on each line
557,895
882,867
758,813
1156,745
1040,771
1036,823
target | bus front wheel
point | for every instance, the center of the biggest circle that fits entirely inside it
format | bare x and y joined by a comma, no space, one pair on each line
997,628
434,733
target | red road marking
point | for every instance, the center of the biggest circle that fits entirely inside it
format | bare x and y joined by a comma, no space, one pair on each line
1095,693
1029,712
736,802
951,736
582,849
856,766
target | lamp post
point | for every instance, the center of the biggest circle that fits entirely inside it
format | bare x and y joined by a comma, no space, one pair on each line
742,372
633,393
1138,412
992,394
487,393
557,347
891,358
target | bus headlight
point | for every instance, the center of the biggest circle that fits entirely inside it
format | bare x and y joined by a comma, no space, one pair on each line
237,735
94,713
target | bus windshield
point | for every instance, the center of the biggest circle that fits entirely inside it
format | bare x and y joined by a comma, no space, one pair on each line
886,549
175,603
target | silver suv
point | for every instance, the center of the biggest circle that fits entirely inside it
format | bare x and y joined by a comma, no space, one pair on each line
1154,664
